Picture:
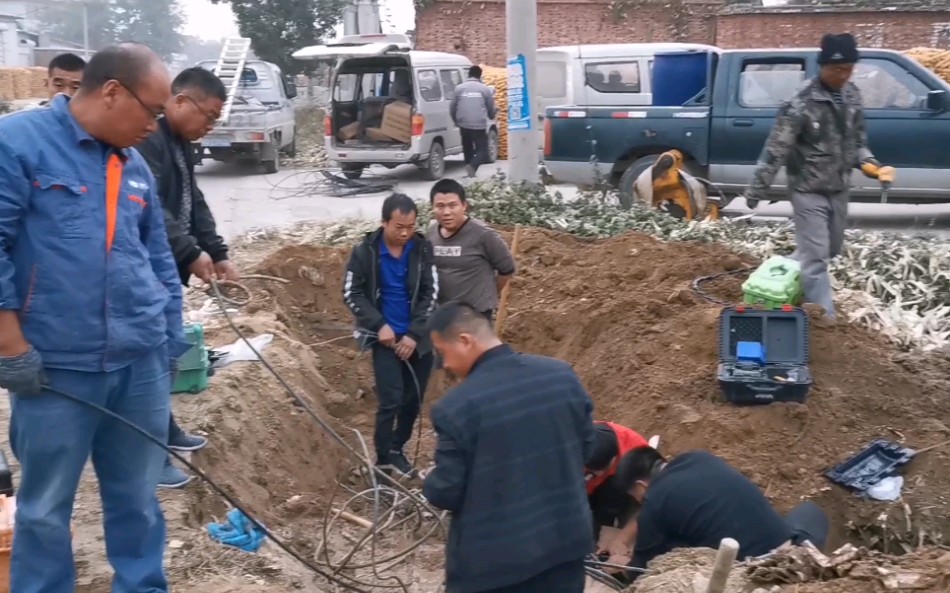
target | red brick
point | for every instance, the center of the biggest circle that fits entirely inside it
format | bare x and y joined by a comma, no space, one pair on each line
891,30
476,28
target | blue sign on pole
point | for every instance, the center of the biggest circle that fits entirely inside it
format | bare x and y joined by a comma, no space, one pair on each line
519,106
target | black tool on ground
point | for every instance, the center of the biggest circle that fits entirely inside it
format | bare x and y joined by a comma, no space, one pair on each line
6,477
763,355
881,459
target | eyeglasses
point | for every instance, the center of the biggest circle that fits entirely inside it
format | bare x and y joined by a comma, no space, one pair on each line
211,117
156,115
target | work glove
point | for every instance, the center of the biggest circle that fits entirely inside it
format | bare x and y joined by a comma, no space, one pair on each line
23,374
886,175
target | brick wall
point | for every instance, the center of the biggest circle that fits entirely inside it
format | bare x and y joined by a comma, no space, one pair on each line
476,28
892,30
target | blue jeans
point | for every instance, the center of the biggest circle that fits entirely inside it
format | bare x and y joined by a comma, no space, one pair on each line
53,437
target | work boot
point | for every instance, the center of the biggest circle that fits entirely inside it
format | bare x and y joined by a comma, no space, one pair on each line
182,441
399,462
173,477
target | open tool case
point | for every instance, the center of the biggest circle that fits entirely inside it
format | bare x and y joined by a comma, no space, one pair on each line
763,355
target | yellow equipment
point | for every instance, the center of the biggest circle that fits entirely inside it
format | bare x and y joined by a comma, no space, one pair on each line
666,186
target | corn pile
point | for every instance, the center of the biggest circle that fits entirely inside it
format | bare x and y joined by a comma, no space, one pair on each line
498,78
937,60
22,83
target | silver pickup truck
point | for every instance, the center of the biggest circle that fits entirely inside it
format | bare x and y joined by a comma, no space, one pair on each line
261,124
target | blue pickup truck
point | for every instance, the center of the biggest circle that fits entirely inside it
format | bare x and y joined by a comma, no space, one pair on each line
718,106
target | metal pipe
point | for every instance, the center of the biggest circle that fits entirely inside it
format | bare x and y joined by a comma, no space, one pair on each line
85,30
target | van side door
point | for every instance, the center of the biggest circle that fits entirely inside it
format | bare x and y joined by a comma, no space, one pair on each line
902,132
744,114
450,78
432,107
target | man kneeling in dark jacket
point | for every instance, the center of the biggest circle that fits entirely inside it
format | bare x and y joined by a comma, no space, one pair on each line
197,99
697,499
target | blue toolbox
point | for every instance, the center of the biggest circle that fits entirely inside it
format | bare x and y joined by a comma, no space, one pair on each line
763,355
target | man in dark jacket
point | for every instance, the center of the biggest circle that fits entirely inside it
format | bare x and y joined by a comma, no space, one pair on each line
391,286
472,108
64,75
197,99
820,137
512,440
697,499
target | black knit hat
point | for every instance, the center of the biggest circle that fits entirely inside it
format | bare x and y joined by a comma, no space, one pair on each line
605,448
838,49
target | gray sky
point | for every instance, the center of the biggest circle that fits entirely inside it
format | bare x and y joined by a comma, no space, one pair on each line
214,21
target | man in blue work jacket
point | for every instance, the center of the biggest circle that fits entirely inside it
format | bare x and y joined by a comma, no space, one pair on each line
90,305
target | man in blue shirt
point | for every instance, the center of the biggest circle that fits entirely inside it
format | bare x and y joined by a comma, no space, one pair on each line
90,304
391,287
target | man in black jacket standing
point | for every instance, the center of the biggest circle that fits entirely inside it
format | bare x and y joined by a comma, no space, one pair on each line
512,441
391,286
197,99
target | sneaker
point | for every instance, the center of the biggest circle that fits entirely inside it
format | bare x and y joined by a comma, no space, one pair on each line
470,171
186,442
173,477
399,462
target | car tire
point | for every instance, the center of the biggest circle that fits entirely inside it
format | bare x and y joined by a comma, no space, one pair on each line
492,145
629,177
291,149
352,171
272,166
435,164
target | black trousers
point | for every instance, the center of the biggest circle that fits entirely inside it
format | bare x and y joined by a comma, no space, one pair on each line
475,147
809,523
399,399
173,428
568,577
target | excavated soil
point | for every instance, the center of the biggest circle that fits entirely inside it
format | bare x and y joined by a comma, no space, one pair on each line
623,313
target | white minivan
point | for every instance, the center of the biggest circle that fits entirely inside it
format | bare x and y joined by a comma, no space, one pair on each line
372,73
606,74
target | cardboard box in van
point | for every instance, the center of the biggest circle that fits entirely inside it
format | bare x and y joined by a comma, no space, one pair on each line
349,131
378,135
397,121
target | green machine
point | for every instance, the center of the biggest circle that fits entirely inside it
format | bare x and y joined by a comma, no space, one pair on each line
777,282
194,364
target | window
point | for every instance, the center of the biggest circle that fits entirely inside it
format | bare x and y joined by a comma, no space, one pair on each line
613,77
886,85
450,80
552,80
769,84
429,85
345,89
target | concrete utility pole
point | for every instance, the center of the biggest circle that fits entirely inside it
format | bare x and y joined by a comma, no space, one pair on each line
522,28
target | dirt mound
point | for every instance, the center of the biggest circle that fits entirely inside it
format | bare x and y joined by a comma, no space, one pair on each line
622,311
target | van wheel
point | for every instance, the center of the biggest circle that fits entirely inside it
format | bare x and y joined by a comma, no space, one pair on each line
492,145
272,166
435,164
291,149
352,171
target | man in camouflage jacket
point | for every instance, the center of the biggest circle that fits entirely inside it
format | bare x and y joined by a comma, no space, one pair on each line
820,138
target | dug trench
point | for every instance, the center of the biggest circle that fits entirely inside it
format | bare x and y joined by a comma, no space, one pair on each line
623,313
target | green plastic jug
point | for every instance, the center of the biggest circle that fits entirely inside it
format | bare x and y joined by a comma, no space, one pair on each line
777,282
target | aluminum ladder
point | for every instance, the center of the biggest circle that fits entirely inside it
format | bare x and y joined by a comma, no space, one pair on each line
229,69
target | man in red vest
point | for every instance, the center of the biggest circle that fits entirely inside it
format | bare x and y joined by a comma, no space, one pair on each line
610,505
